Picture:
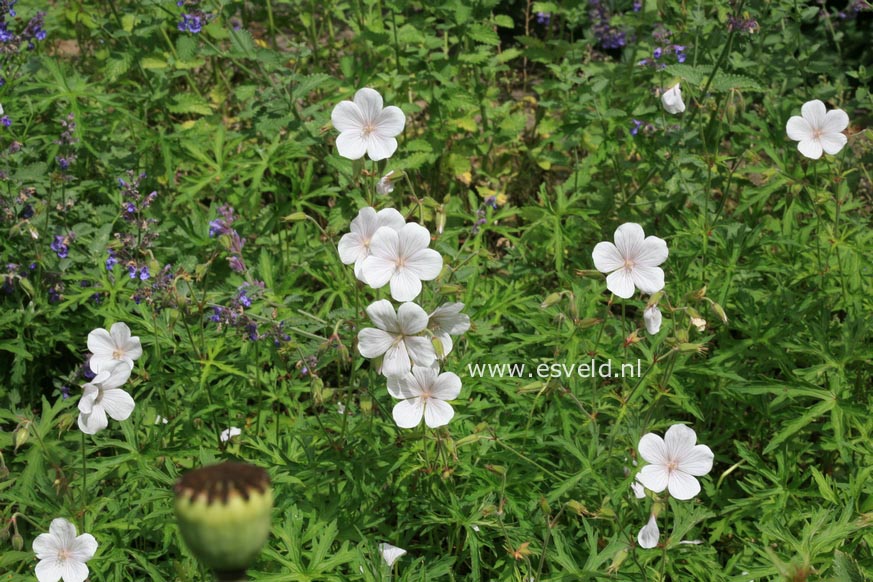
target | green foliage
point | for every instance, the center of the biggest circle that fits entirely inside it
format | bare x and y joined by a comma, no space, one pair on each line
527,142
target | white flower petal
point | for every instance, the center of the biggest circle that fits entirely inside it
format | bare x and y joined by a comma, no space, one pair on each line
380,148
117,403
682,486
649,534
396,361
654,477
405,286
811,148
408,413
117,377
836,120
391,553
404,386
390,122
420,350
621,283
437,413
347,116
49,570
607,258
679,440
46,545
647,279
815,113
447,386
351,248
426,264
653,449
378,271
373,343
94,422
652,318
411,318
383,316
798,129
697,461
74,571
629,240
832,143
351,145
84,548
652,252
370,103
638,489
390,217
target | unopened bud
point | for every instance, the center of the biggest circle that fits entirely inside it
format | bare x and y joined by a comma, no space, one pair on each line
438,347
440,220
498,469
720,312
295,217
693,348
699,294
17,542
588,322
617,561
551,299
577,507
21,436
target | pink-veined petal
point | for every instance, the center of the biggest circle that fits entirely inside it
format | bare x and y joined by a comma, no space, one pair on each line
383,316
84,548
621,283
629,239
654,477
408,413
423,378
351,145
385,244
366,222
815,113
380,148
832,143
370,102
798,129
405,286
679,440
396,361
411,318
74,571
94,422
697,461
420,350
811,148
836,120
390,122
49,570
117,403
403,386
378,271
682,486
100,343
647,279
374,342
607,258
653,449
351,248
347,117
391,218
120,333
652,252
447,386
46,546
117,376
426,264
437,412
412,238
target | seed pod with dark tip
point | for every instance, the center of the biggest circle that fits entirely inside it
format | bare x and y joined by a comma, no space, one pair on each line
224,515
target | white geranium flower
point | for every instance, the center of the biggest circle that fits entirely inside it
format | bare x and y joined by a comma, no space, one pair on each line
818,130
113,347
229,433
632,261
397,337
401,258
671,99
638,489
390,553
649,534
424,392
652,318
62,554
446,321
103,396
386,184
674,462
354,246
366,128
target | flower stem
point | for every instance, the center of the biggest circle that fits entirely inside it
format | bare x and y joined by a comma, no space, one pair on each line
83,499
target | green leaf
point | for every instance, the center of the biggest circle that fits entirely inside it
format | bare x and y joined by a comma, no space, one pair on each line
189,103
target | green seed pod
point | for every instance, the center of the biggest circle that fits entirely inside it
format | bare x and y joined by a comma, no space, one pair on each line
223,513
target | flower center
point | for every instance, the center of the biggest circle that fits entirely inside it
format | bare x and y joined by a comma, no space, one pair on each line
368,129
118,354
672,466
63,554
816,134
629,264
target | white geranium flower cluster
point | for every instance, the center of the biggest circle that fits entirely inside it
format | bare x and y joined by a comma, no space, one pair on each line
113,353
674,462
387,250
